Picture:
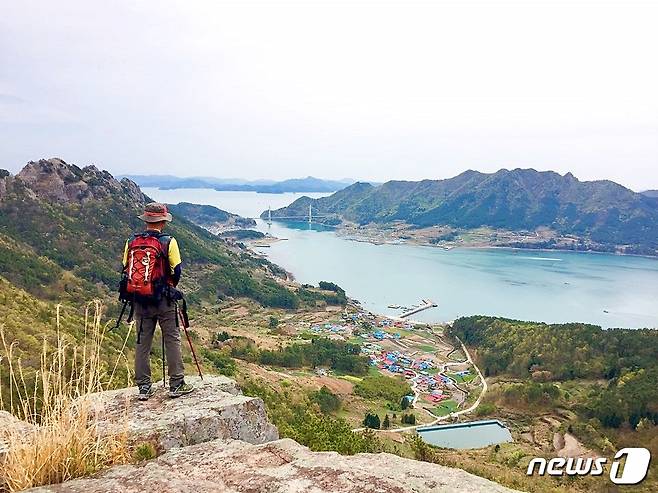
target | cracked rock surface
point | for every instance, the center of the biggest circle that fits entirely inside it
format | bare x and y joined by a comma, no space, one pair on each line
278,466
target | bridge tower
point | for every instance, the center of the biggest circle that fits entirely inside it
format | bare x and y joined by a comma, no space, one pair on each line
310,213
269,216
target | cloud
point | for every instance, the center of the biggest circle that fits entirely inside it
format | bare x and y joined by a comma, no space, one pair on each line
374,90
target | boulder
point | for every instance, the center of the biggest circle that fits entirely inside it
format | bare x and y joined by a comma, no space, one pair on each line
278,466
216,409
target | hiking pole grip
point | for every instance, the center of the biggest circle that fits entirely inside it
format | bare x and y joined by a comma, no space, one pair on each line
123,310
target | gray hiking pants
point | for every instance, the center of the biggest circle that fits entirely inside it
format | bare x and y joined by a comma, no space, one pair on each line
146,316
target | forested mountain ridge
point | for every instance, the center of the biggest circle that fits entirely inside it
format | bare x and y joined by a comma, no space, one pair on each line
601,211
627,360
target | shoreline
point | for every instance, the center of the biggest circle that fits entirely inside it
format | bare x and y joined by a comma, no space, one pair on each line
390,240
375,308
340,232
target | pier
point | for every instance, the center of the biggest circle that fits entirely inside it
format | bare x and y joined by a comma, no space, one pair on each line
426,304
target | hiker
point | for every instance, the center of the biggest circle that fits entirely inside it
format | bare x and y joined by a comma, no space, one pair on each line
151,270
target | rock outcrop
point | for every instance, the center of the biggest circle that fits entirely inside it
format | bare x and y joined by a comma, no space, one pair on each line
55,180
5,176
218,440
278,466
18,429
215,410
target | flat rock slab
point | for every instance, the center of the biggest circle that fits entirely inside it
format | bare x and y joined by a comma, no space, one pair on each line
216,409
279,466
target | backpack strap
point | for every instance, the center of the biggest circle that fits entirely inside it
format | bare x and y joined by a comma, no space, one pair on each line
165,240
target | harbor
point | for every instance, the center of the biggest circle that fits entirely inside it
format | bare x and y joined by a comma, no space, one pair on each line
427,304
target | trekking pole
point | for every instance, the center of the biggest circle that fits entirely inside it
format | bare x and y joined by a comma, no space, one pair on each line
164,380
185,324
193,353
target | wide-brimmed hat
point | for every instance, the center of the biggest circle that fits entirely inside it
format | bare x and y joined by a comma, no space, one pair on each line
155,212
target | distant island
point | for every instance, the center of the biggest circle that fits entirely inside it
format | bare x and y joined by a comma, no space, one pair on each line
521,208
211,218
294,185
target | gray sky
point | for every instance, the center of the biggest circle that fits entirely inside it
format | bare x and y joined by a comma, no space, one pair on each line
366,90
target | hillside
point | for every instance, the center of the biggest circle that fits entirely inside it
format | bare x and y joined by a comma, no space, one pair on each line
62,231
601,214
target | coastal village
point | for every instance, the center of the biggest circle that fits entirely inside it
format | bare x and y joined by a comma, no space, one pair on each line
438,373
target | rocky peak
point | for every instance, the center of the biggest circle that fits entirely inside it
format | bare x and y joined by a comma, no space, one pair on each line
56,180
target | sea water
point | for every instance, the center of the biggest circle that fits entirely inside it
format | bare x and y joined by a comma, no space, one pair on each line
556,287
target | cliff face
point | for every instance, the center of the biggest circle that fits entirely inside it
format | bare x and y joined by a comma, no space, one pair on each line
217,440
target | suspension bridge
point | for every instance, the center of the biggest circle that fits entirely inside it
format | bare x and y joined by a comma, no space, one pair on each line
310,216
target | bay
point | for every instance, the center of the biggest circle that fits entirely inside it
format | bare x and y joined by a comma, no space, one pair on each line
555,287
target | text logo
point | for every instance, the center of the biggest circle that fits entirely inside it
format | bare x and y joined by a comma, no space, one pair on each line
634,470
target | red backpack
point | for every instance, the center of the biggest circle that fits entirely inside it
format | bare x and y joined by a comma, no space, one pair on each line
147,267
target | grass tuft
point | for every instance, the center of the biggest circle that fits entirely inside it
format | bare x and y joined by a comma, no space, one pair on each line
57,439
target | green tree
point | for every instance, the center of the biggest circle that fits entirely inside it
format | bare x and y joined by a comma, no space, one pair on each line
371,420
327,400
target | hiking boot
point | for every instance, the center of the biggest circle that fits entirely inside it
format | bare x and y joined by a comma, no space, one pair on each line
182,389
145,392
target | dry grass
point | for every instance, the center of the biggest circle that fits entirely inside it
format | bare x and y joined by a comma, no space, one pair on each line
61,441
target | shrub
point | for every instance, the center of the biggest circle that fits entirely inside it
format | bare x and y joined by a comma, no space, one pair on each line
221,361
485,408
144,451
327,400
